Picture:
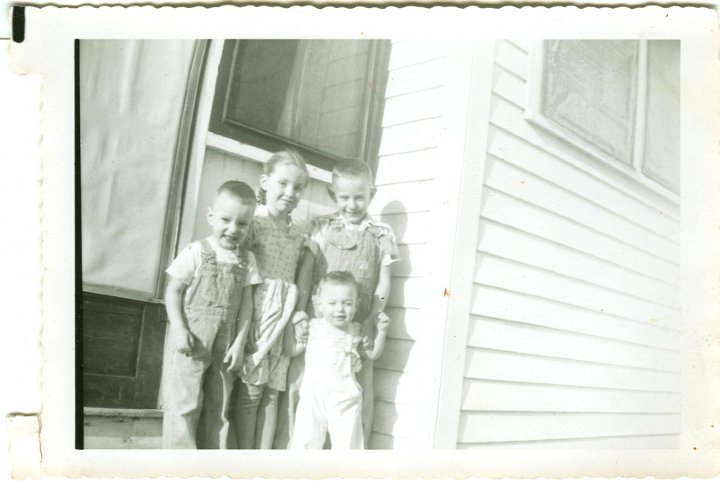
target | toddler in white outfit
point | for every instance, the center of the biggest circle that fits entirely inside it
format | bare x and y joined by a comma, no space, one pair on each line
330,396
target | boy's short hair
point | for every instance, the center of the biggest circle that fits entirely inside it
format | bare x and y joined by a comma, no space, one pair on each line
238,189
340,278
352,169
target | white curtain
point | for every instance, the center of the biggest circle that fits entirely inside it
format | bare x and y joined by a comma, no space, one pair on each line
131,99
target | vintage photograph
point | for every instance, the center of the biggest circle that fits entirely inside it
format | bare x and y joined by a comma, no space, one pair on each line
407,244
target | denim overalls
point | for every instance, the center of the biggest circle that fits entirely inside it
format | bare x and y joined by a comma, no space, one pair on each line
197,388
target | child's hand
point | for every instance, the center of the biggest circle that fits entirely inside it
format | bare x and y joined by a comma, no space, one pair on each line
234,356
183,340
300,326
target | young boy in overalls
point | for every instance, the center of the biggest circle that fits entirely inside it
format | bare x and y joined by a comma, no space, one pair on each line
347,240
209,305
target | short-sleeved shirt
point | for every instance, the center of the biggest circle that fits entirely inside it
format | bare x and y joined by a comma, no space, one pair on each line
185,266
361,249
321,226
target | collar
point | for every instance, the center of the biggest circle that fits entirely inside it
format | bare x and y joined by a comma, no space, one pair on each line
368,221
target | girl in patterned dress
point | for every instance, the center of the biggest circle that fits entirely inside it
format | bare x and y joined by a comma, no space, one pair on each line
278,245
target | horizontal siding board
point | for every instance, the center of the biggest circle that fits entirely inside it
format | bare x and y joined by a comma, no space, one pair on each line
424,104
406,323
509,210
413,136
405,167
502,273
396,420
415,52
486,364
413,260
401,355
418,77
514,150
509,396
539,340
402,198
500,304
510,118
409,228
625,442
493,427
535,251
511,58
399,387
509,86
406,292
509,179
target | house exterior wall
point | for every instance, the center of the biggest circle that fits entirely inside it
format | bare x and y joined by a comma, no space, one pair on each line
573,335
405,181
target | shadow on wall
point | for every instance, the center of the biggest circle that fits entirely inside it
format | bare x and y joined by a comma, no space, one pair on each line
390,367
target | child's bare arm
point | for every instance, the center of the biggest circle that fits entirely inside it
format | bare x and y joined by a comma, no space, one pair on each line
304,280
235,353
379,340
382,291
295,334
182,338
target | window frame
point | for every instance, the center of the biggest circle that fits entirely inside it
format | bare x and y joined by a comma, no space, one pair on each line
245,134
534,115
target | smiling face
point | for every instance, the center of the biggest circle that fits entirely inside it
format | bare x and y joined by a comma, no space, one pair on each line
283,188
352,195
230,219
337,303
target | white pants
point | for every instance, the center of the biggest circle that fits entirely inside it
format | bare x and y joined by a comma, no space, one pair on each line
328,405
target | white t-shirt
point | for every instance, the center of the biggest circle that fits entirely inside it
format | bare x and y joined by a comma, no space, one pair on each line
187,263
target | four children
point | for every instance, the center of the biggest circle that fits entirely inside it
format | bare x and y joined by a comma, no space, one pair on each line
232,344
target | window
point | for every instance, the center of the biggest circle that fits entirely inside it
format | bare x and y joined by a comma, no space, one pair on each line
322,97
616,99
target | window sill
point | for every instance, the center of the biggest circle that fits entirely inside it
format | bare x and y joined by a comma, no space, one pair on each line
258,155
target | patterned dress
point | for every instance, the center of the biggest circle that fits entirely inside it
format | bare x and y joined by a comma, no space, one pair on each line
278,250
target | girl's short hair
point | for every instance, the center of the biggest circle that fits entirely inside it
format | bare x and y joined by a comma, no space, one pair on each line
340,278
285,157
238,189
353,168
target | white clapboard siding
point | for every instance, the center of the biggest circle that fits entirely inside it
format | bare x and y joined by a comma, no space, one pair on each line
573,337
495,271
511,426
498,239
406,170
536,191
668,441
480,395
541,340
508,305
507,209
509,148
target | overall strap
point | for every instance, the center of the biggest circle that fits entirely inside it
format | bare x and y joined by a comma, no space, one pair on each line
208,254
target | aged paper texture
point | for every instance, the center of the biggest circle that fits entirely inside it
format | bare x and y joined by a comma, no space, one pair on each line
459,404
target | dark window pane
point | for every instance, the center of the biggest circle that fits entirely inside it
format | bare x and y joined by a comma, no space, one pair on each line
590,89
662,141
322,95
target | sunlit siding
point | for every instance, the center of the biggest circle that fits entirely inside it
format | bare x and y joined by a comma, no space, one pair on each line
405,174
573,337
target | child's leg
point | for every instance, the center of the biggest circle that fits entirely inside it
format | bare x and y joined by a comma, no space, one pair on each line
345,419
310,427
182,400
246,399
365,379
214,424
267,416
288,402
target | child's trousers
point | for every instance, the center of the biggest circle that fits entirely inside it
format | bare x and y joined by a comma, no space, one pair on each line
328,406
197,392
